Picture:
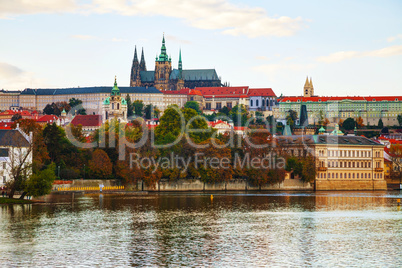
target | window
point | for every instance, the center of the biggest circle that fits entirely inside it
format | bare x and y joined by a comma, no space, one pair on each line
251,102
229,105
256,102
208,106
218,106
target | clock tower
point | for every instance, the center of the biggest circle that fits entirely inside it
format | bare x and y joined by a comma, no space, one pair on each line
163,68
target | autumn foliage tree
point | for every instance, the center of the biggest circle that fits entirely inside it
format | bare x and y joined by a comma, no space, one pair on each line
100,166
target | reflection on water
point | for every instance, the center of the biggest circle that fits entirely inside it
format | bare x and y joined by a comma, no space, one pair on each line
234,229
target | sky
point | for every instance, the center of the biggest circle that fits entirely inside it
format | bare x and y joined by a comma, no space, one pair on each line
347,47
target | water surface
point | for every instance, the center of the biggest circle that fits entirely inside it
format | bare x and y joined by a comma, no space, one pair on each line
231,229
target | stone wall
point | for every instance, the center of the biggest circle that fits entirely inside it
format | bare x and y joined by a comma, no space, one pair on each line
361,185
232,185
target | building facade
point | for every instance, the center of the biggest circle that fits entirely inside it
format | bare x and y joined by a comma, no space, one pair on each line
342,162
165,77
114,106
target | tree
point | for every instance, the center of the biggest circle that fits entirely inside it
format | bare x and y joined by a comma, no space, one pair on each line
100,167
259,120
291,118
239,115
349,124
41,183
380,124
395,152
225,110
53,136
49,109
138,106
130,106
359,122
76,105
193,105
19,161
400,119
16,117
56,108
151,111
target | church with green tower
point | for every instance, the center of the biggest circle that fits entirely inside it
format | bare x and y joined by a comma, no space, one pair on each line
165,77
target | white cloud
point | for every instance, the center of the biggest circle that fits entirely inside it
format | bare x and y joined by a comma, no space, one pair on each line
344,55
14,78
16,7
393,38
208,14
230,19
114,39
84,37
177,39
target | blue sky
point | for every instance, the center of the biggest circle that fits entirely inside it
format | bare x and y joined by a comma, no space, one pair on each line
347,47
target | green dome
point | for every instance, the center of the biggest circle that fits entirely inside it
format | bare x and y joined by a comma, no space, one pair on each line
123,102
106,101
322,129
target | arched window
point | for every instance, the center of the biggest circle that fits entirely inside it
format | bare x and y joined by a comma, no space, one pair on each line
369,175
256,103
251,102
112,106
118,106
263,102
357,175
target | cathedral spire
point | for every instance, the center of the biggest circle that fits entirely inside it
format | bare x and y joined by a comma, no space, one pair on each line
307,83
311,83
163,56
180,65
135,55
143,66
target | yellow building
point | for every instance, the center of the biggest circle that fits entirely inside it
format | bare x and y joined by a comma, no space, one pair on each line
342,162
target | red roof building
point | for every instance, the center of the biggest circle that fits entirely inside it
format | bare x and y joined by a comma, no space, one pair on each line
88,122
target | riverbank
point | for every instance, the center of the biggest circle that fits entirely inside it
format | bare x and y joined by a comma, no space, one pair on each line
6,200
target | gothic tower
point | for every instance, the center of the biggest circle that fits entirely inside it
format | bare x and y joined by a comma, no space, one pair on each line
163,68
180,82
308,88
135,78
143,66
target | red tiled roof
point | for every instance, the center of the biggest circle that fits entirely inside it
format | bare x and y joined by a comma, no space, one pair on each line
5,125
195,92
263,92
213,124
87,120
336,98
47,118
183,91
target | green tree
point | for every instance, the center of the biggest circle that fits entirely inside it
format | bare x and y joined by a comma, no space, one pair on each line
151,111
400,119
41,183
53,136
225,110
291,118
138,106
349,124
193,105
16,117
239,115
380,124
130,106
76,105
259,120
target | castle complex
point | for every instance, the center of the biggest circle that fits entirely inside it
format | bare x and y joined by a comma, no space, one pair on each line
164,77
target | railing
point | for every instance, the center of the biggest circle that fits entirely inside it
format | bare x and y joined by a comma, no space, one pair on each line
106,188
378,169
322,169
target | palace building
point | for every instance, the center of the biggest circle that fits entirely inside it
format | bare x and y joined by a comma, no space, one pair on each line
165,77
370,108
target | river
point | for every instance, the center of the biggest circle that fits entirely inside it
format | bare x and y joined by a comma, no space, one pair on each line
195,229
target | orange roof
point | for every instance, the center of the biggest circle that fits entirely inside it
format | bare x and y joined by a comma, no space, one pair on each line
91,120
213,124
47,118
195,92
263,92
5,125
183,91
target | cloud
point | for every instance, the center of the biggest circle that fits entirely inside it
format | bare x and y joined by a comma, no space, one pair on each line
344,55
393,38
16,7
84,37
13,77
177,40
220,15
230,19
114,39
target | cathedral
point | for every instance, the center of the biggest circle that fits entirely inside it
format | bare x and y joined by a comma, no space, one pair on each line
164,77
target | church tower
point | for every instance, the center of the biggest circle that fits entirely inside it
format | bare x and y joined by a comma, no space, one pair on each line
135,78
163,68
308,88
180,82
143,66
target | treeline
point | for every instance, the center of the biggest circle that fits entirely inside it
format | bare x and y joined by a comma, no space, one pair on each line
181,146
